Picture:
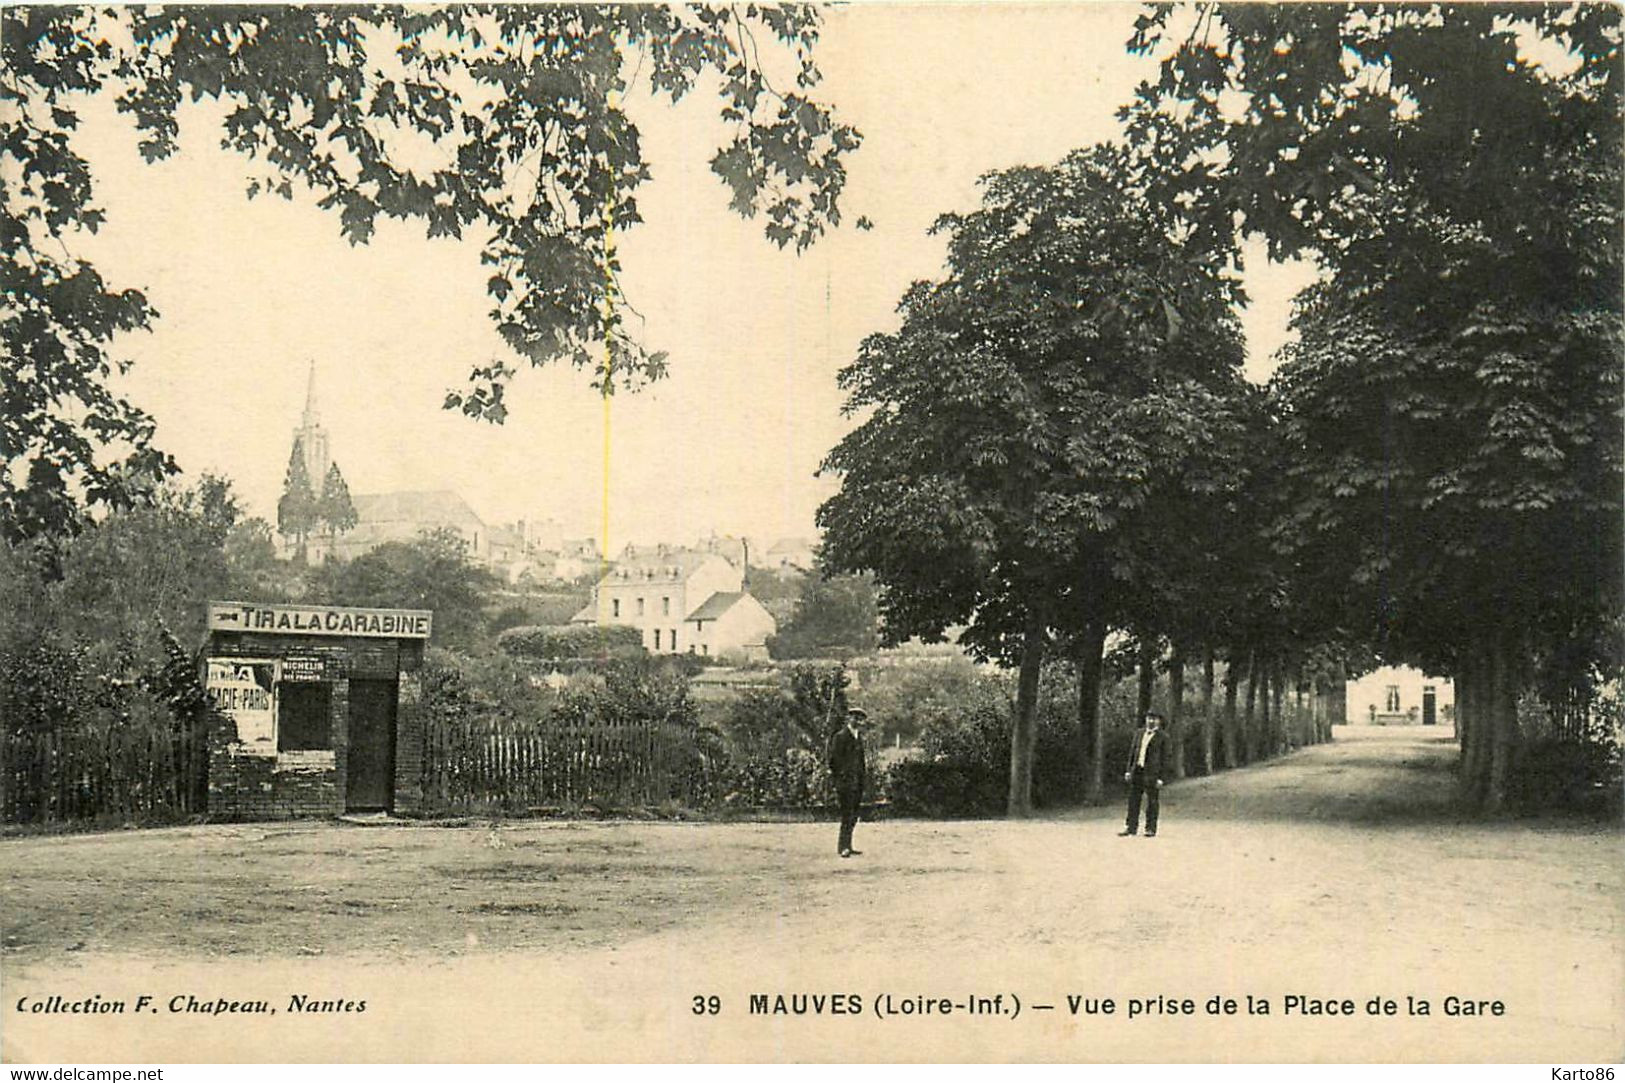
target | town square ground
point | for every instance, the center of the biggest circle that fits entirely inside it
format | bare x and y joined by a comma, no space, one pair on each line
1337,886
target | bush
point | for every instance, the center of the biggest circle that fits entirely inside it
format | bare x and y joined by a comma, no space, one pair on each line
901,697
572,642
460,687
1565,774
964,769
796,779
776,738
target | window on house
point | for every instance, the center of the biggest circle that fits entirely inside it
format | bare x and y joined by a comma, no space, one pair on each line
303,718
665,607
674,639
615,607
657,639
640,607
1392,698
705,648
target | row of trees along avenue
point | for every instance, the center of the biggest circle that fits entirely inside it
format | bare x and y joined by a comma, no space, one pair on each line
1056,444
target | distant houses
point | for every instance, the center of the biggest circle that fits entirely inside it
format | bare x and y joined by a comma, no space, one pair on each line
799,554
683,601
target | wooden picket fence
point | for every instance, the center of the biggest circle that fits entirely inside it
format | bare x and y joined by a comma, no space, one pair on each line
507,765
146,767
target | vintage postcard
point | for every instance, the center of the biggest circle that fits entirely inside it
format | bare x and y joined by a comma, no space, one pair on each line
869,532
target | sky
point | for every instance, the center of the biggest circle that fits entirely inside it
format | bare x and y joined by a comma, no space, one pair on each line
249,293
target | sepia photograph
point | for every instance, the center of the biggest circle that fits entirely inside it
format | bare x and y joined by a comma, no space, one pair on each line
982,532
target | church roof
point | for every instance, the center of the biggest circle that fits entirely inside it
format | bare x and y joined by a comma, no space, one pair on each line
430,507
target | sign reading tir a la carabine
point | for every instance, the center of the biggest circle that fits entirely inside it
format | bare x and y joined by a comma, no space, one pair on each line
319,620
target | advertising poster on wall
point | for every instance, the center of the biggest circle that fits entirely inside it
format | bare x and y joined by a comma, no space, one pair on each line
244,690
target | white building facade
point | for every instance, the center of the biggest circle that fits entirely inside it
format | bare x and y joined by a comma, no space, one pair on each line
661,590
1401,696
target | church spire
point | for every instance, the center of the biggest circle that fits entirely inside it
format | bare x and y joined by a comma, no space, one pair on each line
311,418
311,436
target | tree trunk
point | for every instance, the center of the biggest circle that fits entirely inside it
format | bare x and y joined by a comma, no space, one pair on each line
1266,747
1504,739
1468,675
1148,676
1474,680
1278,735
1207,710
1298,734
1232,748
1464,704
1340,699
1024,731
1176,709
1091,650
1249,729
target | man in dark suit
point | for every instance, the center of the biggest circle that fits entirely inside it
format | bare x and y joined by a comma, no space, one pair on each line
847,766
1147,763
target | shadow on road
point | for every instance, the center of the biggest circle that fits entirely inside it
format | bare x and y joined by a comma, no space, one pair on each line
1368,775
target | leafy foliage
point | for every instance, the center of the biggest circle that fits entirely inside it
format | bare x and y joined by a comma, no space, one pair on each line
562,643
1040,417
432,571
834,615
504,123
964,764
1077,357
1450,414
66,438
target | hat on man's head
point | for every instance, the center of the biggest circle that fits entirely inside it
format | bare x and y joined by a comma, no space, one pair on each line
857,714
1149,715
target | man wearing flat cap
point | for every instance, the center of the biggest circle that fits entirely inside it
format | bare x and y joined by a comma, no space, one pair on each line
847,767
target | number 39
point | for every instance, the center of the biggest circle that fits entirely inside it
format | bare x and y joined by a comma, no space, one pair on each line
707,1005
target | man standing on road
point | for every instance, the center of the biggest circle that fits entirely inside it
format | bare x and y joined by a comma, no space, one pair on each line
1147,762
847,766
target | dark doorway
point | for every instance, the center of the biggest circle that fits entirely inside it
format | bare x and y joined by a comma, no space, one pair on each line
1430,715
370,770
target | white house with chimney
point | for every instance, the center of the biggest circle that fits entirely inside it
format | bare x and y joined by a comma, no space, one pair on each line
684,601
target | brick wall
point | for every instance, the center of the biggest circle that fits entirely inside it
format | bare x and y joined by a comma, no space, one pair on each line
409,743
289,785
300,784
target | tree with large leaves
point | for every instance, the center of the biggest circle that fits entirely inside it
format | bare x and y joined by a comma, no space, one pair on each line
505,124
1071,366
1454,402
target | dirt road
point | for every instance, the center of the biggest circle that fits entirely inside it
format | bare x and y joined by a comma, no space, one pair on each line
1335,876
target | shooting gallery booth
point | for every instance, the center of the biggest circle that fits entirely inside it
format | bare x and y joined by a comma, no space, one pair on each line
320,709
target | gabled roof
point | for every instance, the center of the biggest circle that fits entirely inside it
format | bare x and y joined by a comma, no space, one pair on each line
659,563
431,506
716,605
